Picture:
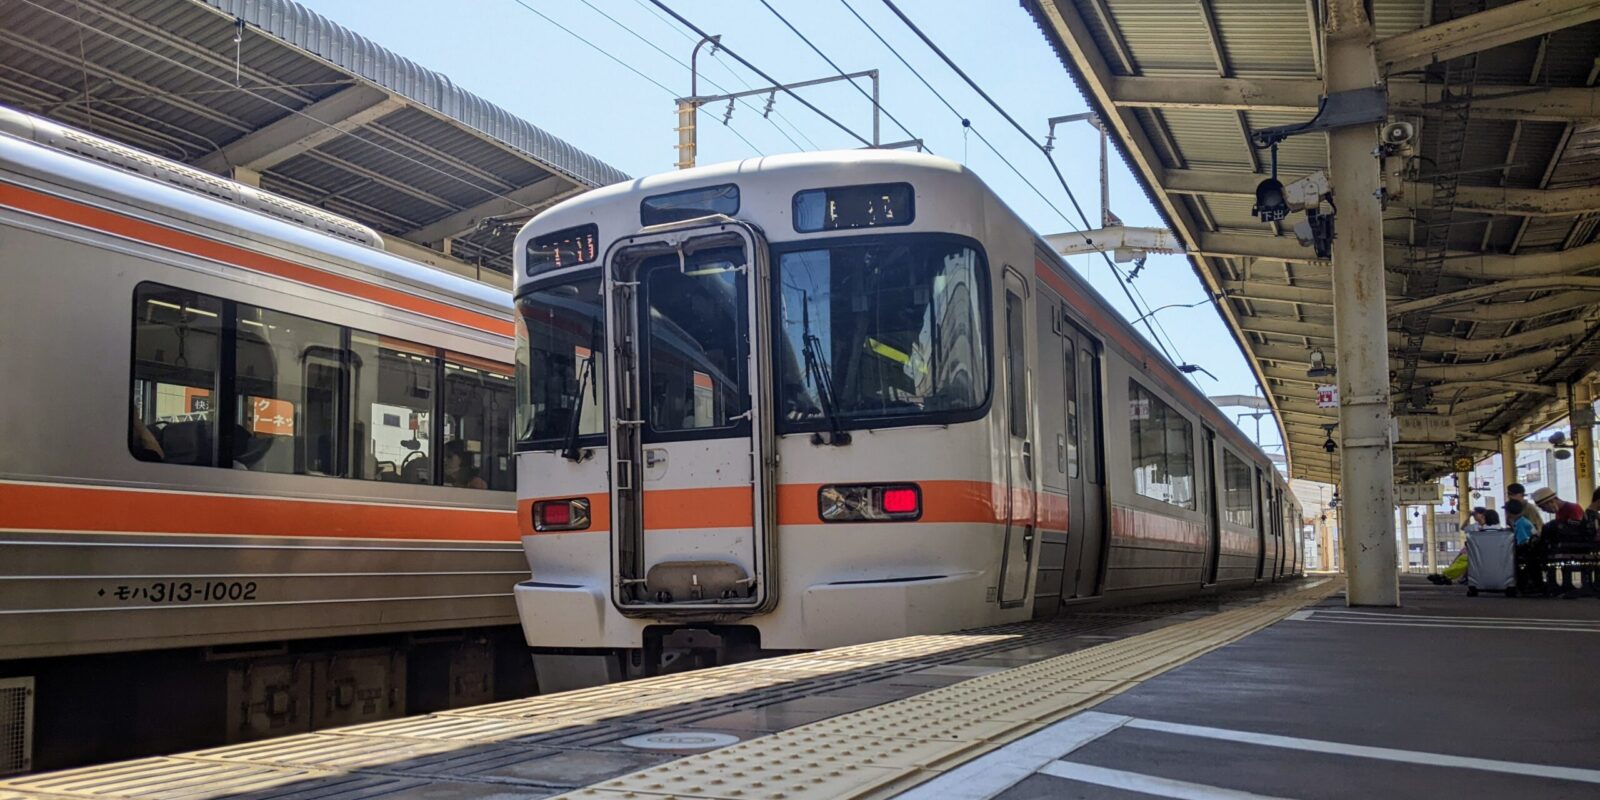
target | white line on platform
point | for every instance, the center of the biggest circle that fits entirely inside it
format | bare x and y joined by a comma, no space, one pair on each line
1301,616
1146,784
992,774
1453,625
1390,615
1363,751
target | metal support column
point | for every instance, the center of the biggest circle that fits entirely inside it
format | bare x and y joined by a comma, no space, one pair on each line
1582,416
1463,497
1430,543
1360,321
1508,464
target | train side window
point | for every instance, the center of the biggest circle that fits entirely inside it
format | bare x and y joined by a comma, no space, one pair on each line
479,404
176,346
391,405
1161,447
1072,409
288,372
1236,477
1016,367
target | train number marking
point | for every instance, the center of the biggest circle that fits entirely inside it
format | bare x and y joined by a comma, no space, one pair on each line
169,592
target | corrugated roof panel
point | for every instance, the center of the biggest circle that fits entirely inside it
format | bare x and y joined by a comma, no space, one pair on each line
1266,38
1208,139
303,28
1164,37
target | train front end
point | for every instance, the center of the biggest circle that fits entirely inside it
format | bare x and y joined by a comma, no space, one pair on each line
756,414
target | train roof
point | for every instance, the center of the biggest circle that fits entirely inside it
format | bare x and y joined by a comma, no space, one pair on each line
68,158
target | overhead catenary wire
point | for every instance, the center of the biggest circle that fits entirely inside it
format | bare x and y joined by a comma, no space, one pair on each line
764,76
876,104
1150,324
680,62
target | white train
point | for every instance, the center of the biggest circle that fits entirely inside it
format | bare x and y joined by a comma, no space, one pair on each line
809,400
255,474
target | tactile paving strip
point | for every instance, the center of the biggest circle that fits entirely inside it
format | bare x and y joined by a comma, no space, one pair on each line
540,745
946,726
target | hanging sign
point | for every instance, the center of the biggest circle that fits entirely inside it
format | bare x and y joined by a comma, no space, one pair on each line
1327,395
1424,428
1412,494
1462,463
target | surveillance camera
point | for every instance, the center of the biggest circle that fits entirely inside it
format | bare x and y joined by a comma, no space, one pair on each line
1398,133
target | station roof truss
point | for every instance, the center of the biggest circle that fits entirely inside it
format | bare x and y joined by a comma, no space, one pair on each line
1491,252
268,92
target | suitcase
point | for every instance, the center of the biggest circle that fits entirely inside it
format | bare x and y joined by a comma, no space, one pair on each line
1491,562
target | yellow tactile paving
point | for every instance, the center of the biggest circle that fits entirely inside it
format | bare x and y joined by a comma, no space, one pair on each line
948,725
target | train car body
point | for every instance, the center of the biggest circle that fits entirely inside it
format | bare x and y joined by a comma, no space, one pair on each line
810,400
229,432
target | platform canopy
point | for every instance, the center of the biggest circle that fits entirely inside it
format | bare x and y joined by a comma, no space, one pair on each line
1491,252
268,92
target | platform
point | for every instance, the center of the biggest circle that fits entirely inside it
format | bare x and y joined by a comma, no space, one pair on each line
1271,692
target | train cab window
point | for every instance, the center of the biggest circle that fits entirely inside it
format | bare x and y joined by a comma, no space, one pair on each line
561,356
392,402
890,331
1161,449
479,401
287,385
1016,367
695,329
176,347
1237,498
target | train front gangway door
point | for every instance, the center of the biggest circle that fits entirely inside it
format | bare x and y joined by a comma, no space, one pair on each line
692,442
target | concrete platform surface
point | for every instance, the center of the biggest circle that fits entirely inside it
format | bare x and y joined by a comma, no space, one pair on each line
1448,696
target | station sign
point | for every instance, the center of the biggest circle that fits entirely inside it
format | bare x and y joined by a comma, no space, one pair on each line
1416,494
1462,463
1327,395
1424,428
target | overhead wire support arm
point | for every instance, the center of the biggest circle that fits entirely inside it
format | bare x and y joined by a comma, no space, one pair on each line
688,134
764,76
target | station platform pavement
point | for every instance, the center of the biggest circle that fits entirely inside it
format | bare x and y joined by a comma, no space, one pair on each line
1276,691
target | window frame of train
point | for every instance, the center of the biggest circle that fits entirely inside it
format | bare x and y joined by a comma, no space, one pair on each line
346,431
981,321
1232,464
1157,406
594,393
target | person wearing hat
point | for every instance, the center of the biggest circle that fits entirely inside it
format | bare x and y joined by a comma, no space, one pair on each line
1564,511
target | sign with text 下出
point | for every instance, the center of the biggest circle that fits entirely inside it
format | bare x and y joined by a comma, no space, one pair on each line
1407,494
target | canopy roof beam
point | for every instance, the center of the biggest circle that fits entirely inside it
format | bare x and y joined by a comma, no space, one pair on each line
296,132
1485,30
1302,95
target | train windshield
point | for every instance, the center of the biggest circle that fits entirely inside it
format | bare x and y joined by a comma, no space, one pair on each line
560,367
888,330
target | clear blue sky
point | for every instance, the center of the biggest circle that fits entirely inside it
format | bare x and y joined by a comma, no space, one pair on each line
508,54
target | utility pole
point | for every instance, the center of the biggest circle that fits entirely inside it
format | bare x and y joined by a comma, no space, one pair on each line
1360,319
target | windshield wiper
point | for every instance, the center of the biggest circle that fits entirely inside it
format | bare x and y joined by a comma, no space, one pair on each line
586,376
819,373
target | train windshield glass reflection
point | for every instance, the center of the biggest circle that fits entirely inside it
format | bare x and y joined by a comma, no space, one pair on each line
560,359
890,329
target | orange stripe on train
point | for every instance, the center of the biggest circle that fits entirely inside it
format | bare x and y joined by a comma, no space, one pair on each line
91,509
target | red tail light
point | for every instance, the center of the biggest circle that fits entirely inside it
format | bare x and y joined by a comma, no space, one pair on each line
900,500
561,515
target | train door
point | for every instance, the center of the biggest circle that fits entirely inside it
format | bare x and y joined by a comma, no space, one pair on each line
1017,545
1283,532
1262,568
1213,509
1058,456
1088,479
691,424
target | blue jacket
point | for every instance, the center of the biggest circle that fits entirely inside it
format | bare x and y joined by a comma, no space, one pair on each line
1524,530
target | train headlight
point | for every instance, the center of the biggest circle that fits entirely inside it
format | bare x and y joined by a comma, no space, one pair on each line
865,502
561,515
